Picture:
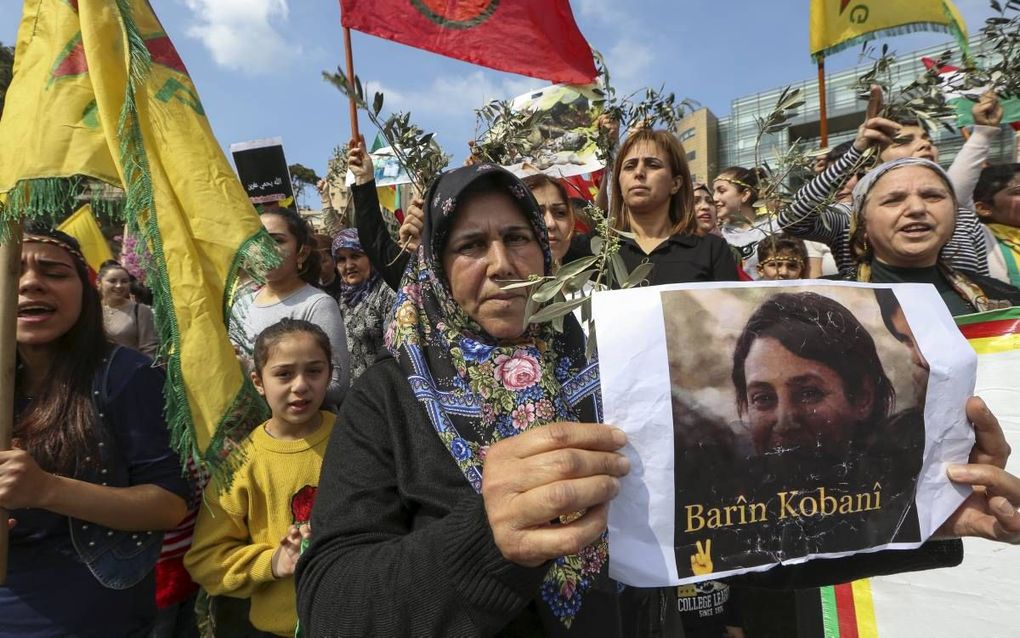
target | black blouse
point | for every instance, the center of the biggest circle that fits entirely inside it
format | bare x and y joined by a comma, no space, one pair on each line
679,259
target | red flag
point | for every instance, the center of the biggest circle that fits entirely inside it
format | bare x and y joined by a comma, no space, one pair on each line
538,38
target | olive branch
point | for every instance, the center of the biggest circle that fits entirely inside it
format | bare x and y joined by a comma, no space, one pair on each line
503,135
655,107
787,163
571,287
920,100
417,151
1001,61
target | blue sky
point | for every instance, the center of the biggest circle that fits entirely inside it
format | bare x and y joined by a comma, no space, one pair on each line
258,63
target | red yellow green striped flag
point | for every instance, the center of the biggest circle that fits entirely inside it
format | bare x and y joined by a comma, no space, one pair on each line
994,332
848,611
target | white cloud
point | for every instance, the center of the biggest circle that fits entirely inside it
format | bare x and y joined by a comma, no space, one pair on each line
628,61
454,95
607,12
392,95
243,34
630,55
447,103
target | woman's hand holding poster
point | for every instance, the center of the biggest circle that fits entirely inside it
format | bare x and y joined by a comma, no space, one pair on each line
806,420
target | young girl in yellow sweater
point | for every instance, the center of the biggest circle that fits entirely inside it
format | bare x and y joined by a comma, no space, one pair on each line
248,537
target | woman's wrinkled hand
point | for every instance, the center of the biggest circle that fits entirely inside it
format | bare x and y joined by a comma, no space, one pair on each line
322,186
534,478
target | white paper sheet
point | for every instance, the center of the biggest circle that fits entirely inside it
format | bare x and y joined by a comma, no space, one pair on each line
634,344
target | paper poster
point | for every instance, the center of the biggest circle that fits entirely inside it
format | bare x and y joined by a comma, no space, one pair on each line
563,140
803,420
262,168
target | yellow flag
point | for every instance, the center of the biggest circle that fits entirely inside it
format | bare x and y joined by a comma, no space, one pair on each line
100,91
388,197
840,24
84,227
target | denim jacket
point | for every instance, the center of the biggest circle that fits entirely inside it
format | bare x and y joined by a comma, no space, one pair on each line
117,559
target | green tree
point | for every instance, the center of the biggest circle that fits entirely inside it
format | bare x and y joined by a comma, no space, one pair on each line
302,177
6,70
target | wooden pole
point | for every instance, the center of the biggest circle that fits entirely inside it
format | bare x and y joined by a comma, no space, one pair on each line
351,102
10,274
823,121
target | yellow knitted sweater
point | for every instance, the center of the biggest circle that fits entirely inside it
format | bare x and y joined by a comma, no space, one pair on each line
238,530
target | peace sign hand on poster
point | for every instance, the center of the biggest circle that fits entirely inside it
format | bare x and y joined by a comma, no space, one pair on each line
701,562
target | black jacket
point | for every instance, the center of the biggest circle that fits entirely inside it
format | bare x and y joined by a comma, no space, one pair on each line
383,253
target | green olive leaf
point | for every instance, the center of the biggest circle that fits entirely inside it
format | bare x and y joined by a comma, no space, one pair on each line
638,275
556,310
573,268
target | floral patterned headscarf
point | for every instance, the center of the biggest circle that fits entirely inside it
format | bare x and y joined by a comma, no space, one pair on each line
351,296
477,390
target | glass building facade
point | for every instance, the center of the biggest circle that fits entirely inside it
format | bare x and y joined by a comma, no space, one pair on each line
738,131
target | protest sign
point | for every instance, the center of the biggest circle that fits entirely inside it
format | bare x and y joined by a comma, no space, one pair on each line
808,419
563,138
262,168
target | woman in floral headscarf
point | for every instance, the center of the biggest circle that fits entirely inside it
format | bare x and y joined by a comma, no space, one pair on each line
365,300
403,525
408,539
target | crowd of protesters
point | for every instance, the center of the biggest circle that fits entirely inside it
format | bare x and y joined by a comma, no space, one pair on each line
398,370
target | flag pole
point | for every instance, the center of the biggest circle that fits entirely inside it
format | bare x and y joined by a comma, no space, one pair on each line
10,269
823,122
351,102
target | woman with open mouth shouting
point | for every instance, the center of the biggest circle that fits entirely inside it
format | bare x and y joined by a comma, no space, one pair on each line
91,482
904,215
